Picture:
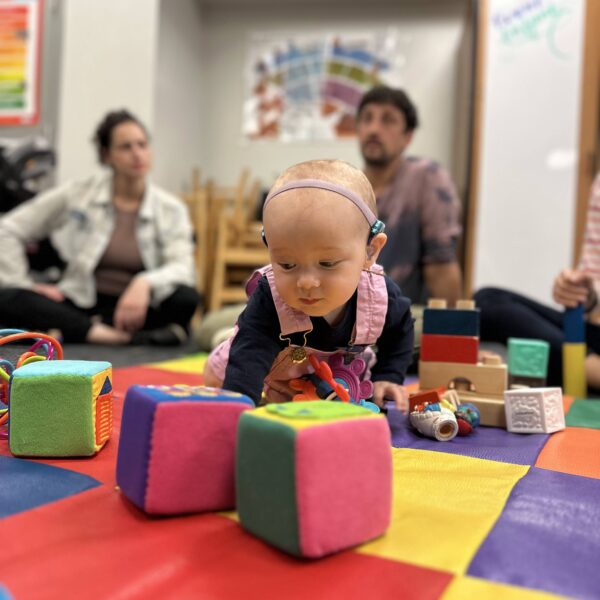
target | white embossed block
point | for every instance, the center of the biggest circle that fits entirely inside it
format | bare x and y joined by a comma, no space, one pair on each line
534,410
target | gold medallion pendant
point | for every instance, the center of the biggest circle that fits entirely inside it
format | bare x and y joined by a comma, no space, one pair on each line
298,355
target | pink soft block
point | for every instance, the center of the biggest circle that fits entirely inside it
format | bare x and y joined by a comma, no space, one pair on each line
192,457
344,484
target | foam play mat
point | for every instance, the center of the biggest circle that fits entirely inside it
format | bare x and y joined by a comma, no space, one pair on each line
490,515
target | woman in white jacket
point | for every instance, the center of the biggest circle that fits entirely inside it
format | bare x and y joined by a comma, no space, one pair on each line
127,246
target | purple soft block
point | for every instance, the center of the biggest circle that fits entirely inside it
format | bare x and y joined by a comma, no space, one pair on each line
177,448
491,443
547,537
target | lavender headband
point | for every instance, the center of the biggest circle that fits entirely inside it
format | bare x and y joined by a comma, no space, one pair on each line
332,187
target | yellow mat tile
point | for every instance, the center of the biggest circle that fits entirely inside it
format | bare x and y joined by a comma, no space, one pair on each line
439,498
471,588
190,364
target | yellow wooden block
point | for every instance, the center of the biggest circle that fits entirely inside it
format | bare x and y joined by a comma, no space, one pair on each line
473,588
435,493
574,383
483,379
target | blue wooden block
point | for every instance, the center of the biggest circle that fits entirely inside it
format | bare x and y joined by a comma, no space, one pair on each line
574,324
451,321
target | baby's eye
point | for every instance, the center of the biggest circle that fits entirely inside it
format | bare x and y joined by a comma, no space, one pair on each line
287,266
328,264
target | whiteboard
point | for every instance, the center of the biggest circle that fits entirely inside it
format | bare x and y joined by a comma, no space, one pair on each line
526,194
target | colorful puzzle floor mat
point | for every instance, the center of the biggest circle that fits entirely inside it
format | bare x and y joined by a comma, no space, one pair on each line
491,515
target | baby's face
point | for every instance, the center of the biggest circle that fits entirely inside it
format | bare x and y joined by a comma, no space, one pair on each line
318,247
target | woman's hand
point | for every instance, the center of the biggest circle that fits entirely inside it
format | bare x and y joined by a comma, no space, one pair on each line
49,290
573,287
132,306
393,391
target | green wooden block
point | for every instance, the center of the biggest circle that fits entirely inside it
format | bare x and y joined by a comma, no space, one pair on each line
528,358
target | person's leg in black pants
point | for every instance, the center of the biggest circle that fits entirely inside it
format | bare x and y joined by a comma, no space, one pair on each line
178,308
25,309
506,314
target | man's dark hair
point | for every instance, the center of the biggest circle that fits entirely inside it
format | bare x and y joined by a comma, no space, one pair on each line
382,94
103,134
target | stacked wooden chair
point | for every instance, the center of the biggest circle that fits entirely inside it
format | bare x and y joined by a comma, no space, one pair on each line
228,239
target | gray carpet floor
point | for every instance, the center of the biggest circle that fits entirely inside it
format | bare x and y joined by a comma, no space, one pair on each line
126,356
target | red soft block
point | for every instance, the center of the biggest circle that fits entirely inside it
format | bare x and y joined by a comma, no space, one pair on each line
449,348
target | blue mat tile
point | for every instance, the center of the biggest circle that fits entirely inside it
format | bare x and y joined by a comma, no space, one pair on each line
25,485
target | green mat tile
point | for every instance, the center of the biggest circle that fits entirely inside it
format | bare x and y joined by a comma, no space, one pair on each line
584,413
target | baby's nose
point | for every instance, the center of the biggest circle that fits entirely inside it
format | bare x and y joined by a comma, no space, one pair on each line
308,280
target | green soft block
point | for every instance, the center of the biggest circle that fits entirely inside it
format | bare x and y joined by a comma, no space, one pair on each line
584,413
266,462
528,358
51,408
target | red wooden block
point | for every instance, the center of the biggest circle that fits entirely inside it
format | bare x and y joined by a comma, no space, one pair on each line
431,396
449,348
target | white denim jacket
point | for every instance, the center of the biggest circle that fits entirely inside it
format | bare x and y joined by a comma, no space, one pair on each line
79,218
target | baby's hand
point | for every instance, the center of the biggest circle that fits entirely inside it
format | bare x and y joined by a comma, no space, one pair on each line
393,391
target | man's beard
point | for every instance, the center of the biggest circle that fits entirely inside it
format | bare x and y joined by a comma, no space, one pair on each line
379,161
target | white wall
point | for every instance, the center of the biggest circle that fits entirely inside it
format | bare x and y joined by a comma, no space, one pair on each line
527,187
432,30
108,62
179,137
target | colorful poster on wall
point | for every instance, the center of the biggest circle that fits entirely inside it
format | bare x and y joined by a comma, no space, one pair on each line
20,38
307,87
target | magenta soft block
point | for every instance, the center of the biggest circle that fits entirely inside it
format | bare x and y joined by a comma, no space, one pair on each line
314,478
177,448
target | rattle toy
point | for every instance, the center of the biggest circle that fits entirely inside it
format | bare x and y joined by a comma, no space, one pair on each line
40,341
335,380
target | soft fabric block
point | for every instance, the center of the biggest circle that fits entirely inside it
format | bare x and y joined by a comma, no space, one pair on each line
314,477
177,448
60,408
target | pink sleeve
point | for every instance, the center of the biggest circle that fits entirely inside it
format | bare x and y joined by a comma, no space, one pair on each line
590,251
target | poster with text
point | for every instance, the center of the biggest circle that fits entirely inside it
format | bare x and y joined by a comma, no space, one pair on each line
307,87
20,38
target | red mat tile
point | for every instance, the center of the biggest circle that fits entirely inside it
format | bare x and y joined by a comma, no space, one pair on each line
96,544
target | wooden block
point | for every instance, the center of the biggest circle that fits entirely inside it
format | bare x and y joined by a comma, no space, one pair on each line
449,348
437,303
431,396
466,304
534,410
528,358
491,410
574,383
574,324
482,379
451,321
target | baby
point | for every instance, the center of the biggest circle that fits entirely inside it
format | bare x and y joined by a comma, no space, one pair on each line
323,292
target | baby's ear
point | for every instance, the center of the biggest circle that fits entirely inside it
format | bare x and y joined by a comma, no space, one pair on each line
374,248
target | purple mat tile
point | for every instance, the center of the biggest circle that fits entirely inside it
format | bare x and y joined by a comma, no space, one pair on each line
490,443
548,536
